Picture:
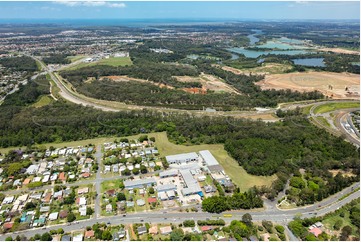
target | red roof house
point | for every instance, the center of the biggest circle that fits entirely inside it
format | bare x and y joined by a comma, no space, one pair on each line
315,231
152,200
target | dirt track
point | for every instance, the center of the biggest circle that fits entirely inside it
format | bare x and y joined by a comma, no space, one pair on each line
329,83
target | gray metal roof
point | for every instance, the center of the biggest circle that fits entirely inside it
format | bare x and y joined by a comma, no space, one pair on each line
182,157
208,158
188,178
141,182
166,187
168,173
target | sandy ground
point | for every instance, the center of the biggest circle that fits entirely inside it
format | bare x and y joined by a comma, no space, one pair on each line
329,83
340,51
345,173
209,82
127,79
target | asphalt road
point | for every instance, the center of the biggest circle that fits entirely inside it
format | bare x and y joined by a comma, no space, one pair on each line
98,181
275,215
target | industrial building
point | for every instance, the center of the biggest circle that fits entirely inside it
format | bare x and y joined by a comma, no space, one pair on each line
139,183
192,186
211,162
182,158
168,173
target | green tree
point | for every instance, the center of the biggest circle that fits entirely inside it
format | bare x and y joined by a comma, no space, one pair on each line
89,211
9,238
338,224
46,237
247,218
121,196
71,217
177,235
106,235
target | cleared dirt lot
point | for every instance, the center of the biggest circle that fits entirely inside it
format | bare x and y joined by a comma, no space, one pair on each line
209,82
340,51
330,84
265,69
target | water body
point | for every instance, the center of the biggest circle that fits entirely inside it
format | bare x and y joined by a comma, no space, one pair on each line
255,54
280,45
252,38
310,62
193,57
234,56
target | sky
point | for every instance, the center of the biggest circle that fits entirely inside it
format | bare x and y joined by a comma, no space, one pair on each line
63,9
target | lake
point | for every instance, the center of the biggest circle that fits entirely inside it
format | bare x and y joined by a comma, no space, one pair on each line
277,44
255,54
309,62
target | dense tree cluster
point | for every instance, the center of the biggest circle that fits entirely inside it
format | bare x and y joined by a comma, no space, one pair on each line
56,59
218,204
21,63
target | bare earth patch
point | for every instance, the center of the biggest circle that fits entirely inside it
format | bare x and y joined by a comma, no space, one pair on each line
344,173
341,51
335,85
127,79
265,69
209,82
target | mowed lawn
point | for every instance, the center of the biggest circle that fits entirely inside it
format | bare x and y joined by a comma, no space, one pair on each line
75,58
43,101
238,175
329,107
112,61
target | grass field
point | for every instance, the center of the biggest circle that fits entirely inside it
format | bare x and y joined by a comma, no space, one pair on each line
43,101
112,61
75,58
323,121
329,107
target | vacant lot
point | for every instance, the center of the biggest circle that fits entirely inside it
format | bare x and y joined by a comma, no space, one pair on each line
340,50
335,85
209,82
43,101
329,107
265,69
112,61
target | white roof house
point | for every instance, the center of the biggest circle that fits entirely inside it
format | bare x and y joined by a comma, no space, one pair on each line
32,169
82,210
182,158
78,237
82,201
53,216
8,200
45,179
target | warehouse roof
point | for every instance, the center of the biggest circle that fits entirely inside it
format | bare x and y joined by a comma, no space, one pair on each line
182,157
208,158
168,173
140,182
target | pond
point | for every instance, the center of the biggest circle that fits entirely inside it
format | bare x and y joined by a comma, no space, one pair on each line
309,62
255,54
277,44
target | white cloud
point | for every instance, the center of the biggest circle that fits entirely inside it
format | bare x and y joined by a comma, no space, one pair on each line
116,5
91,4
